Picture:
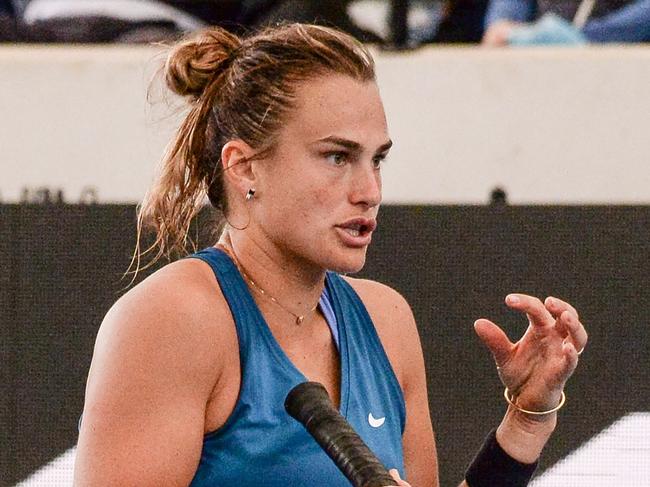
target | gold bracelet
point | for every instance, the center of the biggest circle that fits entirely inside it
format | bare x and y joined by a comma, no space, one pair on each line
511,401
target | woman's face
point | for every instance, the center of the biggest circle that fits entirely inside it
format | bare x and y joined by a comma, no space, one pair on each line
318,194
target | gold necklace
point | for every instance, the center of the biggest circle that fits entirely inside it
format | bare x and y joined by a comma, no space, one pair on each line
254,285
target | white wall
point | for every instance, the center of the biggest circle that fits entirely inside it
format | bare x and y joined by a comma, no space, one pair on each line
549,125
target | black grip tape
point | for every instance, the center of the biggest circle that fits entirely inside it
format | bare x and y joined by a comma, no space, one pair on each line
310,404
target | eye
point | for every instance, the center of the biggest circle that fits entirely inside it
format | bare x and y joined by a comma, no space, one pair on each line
337,158
378,161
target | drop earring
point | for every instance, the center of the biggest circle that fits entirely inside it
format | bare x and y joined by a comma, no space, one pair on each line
250,194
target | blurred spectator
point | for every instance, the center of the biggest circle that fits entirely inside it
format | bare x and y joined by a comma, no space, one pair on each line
566,21
103,21
463,22
447,21
156,20
327,12
116,20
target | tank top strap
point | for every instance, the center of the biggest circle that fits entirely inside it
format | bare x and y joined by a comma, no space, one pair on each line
242,305
325,304
360,337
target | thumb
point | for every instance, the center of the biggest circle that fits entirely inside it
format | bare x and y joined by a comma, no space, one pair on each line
495,339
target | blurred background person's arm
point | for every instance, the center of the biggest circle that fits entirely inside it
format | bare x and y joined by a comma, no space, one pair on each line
504,15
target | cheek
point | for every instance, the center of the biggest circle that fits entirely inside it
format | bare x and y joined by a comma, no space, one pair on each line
314,208
301,200
323,198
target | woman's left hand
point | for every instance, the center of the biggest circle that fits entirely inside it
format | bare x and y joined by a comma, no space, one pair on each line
535,368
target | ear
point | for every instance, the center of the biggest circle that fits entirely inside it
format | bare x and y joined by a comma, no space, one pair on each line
237,166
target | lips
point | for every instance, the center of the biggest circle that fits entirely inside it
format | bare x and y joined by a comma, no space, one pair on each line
357,232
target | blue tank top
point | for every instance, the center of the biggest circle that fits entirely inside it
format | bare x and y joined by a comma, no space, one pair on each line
260,444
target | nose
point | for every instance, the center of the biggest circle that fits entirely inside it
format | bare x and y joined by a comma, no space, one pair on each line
366,186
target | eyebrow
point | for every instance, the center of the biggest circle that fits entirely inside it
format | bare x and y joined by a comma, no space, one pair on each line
352,145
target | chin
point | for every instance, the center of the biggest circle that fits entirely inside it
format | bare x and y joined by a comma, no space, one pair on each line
349,261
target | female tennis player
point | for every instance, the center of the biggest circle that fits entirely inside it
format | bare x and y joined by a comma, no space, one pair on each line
285,135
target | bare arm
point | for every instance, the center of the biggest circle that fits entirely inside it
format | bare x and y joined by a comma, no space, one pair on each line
555,328
149,382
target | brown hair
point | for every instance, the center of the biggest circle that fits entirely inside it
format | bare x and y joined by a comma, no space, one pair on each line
237,88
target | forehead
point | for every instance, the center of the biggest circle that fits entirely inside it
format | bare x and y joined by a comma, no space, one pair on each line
338,105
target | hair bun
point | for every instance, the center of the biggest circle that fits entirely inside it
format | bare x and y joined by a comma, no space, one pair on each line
193,63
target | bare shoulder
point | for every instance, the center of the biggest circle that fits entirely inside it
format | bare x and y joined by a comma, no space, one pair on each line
393,319
177,312
183,291
380,298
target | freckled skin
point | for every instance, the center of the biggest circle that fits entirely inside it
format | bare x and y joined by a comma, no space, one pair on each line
304,194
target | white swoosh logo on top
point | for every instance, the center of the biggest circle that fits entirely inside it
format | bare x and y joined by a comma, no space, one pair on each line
375,422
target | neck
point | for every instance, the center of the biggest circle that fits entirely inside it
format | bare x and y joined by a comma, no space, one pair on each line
292,282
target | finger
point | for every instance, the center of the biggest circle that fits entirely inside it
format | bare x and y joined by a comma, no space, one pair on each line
533,307
395,474
556,307
561,327
576,330
495,339
571,355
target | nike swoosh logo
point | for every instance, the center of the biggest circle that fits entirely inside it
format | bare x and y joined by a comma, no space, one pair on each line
375,422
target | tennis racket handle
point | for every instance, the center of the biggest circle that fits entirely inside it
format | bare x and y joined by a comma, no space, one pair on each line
310,404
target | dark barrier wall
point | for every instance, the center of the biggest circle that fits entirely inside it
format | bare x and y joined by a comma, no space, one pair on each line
61,269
